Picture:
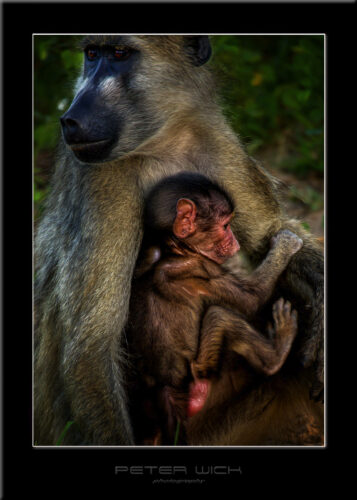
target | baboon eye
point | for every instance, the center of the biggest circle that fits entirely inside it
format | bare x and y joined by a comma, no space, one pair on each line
91,54
121,54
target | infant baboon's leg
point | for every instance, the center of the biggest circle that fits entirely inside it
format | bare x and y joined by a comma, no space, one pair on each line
225,330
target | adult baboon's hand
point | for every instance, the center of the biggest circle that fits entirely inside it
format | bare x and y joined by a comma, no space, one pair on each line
305,279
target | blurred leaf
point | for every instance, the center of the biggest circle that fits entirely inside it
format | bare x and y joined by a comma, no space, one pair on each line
257,79
272,85
309,196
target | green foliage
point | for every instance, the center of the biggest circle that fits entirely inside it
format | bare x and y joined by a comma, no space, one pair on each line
309,196
273,90
57,61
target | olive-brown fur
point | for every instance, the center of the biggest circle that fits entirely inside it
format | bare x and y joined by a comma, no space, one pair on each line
89,238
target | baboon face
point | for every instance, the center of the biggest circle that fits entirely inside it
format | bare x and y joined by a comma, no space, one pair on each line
129,87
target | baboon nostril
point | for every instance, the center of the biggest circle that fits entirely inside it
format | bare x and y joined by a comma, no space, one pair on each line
70,124
72,129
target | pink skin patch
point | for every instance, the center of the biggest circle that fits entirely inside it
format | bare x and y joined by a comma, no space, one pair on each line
197,396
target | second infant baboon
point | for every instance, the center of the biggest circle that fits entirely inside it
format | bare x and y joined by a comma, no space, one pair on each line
189,217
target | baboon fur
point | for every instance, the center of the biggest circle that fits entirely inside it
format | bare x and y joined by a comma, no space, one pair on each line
89,238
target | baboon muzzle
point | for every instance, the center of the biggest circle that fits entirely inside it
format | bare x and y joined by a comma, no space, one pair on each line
89,128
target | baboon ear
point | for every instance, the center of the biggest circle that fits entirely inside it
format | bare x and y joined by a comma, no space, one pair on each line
198,48
185,221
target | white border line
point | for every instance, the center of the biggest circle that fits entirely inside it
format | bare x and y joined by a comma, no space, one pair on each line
300,447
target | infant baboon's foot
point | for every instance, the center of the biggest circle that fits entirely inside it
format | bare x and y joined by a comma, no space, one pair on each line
289,241
199,370
285,319
282,335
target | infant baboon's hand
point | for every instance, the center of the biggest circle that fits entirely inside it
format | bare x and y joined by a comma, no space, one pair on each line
147,260
152,255
287,240
285,319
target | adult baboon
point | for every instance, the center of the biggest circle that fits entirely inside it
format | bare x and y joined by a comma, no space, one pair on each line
145,108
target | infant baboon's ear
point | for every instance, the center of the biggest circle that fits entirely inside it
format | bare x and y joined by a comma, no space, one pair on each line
185,221
198,48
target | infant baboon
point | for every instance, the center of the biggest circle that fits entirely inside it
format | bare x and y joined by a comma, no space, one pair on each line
188,217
